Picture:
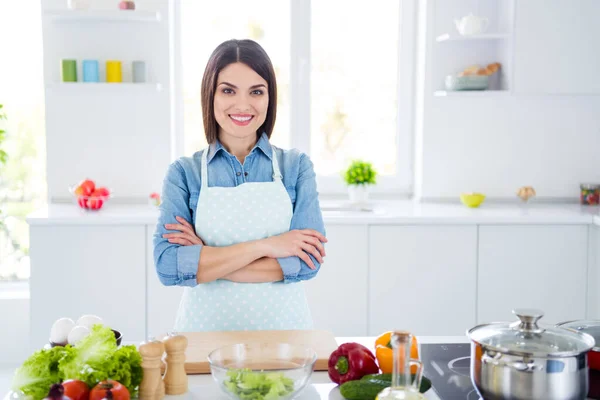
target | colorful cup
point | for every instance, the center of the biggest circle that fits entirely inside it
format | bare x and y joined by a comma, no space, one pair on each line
90,71
113,71
138,71
69,70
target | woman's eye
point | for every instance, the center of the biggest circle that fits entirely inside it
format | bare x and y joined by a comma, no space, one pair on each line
257,92
227,91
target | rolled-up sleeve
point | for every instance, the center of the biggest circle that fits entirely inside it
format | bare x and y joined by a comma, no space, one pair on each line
175,264
307,215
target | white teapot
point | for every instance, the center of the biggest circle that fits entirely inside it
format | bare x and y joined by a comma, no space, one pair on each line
471,24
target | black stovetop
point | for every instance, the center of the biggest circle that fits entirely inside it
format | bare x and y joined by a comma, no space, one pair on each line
448,368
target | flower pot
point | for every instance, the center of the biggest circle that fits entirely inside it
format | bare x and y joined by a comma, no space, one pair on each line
359,194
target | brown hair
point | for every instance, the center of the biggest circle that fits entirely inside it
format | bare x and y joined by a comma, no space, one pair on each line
254,56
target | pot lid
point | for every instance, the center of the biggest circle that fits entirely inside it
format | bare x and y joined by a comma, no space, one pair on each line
591,327
526,337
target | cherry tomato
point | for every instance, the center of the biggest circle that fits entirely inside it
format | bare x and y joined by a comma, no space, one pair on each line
76,390
119,392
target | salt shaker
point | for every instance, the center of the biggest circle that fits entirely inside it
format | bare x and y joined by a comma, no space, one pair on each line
152,386
176,380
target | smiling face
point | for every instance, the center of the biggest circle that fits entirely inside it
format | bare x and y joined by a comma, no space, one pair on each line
241,101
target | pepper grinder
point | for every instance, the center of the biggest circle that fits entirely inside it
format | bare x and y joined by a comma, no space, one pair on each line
152,386
176,380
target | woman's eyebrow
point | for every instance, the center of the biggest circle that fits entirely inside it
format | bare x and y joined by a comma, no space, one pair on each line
235,87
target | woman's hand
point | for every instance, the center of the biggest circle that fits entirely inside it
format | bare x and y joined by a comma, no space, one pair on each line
187,237
297,242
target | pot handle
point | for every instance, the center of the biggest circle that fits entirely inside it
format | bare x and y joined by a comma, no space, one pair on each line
519,365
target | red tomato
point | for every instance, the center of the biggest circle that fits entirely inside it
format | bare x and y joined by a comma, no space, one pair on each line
119,392
101,192
76,390
87,187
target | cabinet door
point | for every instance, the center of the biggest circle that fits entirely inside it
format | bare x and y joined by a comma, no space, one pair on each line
532,266
163,301
78,270
338,294
422,279
593,282
556,47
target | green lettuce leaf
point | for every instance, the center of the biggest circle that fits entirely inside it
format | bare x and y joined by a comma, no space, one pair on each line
40,371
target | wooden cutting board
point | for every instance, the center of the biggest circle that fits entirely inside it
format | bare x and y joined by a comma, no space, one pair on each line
200,344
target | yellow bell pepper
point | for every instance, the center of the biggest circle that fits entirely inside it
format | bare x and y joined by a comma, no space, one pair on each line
385,354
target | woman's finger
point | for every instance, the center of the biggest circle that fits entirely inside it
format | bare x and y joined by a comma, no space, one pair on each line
312,250
183,221
315,242
316,234
190,238
183,242
179,227
304,257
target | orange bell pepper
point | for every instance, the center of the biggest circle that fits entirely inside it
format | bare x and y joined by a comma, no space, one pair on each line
385,354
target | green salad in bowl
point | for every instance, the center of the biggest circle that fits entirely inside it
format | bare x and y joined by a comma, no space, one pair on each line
262,371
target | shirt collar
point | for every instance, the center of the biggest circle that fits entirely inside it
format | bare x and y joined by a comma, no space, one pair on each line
262,143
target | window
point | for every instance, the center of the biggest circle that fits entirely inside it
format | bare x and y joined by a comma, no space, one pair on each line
354,85
345,76
206,24
23,177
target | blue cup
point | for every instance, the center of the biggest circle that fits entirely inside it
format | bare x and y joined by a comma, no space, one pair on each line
90,71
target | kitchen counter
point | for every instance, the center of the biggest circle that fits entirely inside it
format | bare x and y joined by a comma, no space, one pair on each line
321,388
378,213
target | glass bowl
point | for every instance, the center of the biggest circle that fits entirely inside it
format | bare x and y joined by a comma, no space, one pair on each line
277,371
89,202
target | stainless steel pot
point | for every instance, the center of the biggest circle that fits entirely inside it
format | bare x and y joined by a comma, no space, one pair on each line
523,360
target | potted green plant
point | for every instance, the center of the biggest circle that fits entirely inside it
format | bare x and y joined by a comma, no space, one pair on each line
359,176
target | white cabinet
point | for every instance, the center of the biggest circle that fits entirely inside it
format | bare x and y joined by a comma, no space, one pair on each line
163,301
94,269
593,281
532,266
556,47
338,294
422,278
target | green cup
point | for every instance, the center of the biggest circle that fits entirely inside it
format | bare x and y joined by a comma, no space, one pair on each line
69,70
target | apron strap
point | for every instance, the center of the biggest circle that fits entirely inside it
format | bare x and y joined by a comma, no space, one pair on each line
276,172
204,169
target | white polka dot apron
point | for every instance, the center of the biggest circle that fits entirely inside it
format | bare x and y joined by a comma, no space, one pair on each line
230,215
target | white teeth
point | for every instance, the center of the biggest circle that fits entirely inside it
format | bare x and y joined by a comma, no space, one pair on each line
241,119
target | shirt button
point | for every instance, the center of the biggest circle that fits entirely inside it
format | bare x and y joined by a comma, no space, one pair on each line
245,174
238,173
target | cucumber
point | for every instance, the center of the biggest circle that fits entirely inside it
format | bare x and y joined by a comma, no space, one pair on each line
381,378
361,390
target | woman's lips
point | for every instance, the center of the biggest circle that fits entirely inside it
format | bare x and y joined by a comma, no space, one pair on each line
241,119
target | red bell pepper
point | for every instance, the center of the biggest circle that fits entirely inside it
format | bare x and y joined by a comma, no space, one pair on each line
350,362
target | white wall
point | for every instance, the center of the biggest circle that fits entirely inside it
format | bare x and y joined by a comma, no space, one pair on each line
495,144
14,329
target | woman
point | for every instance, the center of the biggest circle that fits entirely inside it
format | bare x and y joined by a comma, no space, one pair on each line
240,224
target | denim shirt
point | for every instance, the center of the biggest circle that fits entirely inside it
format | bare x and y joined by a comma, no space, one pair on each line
177,264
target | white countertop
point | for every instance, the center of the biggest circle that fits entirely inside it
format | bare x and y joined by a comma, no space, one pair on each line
203,387
383,212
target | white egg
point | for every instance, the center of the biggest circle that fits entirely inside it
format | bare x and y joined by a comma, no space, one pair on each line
60,330
77,333
89,320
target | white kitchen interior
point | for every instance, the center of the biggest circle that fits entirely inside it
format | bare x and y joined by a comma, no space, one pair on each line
413,257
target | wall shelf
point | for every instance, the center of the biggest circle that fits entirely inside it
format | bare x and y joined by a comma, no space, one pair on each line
104,87
102,16
471,93
447,37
